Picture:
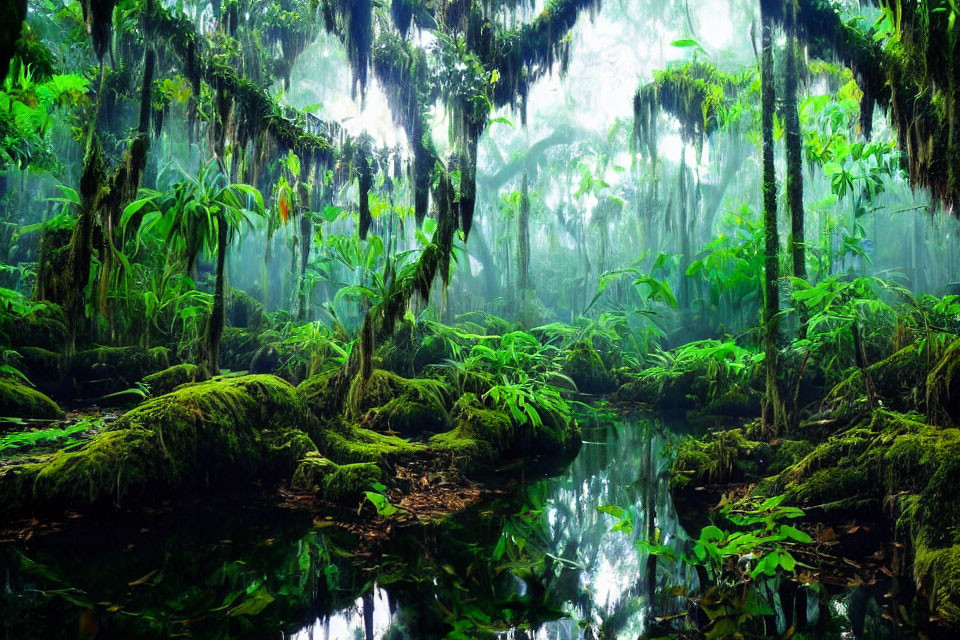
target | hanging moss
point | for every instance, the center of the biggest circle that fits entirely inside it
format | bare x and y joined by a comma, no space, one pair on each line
257,111
913,76
98,15
365,183
695,93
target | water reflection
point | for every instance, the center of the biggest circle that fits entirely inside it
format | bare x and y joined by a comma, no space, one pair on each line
574,576
369,618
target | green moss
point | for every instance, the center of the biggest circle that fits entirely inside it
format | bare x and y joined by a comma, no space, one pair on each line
937,574
285,449
788,453
340,483
899,379
244,311
20,401
320,395
484,434
237,348
829,488
40,361
943,389
738,401
347,443
389,403
348,482
218,432
310,472
118,366
584,366
480,433
668,388
717,458
896,466
170,378
45,327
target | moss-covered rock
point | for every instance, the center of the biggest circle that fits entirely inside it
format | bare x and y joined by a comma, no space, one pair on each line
584,366
483,434
735,401
388,403
937,574
349,481
20,401
787,453
212,433
165,381
45,328
237,348
668,388
339,483
244,311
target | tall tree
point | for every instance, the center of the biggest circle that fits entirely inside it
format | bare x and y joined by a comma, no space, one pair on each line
523,238
794,152
773,418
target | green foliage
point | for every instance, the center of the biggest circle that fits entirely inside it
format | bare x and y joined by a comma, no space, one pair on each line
380,501
744,566
30,109
50,439
187,216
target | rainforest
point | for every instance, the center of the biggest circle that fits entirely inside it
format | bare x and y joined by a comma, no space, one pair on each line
480,319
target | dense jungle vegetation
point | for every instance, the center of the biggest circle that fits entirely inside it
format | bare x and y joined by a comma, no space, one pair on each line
412,319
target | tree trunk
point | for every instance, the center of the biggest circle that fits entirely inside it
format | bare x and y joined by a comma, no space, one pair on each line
216,321
523,238
794,154
684,237
774,418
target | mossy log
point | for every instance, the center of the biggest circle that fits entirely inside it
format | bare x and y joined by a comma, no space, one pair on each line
227,432
105,369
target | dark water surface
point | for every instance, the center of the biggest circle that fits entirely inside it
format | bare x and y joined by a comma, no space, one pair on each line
540,562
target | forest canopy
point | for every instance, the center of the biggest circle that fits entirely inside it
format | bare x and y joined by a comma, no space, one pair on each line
579,318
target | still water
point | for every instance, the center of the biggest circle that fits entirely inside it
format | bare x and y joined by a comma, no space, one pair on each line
537,560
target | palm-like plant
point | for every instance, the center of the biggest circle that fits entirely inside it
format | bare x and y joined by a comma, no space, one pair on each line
197,216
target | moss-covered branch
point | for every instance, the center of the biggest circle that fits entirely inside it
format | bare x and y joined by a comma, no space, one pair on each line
259,110
912,74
